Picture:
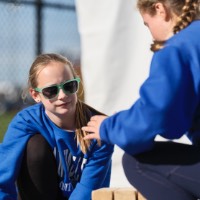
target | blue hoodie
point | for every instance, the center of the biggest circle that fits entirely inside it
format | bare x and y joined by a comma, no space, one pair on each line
90,171
169,98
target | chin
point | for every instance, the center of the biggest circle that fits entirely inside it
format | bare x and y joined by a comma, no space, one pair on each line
66,111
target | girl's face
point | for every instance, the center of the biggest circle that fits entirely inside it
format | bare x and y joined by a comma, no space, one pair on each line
161,24
63,104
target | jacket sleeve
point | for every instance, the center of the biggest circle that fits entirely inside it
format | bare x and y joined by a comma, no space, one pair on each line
96,173
165,107
11,153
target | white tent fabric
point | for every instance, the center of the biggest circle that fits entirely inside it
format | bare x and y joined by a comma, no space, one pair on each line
115,59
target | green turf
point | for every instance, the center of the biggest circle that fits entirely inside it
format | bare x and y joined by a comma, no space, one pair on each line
4,121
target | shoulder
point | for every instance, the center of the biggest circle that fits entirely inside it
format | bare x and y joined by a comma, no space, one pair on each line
26,122
183,47
30,112
187,37
168,57
32,108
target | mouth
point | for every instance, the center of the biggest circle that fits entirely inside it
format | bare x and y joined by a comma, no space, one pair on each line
64,104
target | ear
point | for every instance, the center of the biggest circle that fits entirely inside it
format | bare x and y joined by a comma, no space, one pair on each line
161,10
35,95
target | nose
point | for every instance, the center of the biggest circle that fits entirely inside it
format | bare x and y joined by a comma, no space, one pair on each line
61,94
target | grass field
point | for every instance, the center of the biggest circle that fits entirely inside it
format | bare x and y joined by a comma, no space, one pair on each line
4,121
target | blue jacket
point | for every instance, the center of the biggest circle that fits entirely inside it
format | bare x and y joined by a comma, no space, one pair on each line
169,98
91,170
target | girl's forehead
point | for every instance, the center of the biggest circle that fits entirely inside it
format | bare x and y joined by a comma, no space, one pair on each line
55,70
55,67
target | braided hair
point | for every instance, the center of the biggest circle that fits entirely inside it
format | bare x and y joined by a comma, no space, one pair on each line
186,11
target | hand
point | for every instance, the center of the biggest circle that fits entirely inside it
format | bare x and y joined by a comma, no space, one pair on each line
93,127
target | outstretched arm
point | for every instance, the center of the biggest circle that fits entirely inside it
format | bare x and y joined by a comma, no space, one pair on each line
93,127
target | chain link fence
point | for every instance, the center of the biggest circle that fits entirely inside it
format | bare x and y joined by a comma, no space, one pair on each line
28,28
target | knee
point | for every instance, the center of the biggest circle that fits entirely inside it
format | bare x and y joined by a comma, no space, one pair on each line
37,148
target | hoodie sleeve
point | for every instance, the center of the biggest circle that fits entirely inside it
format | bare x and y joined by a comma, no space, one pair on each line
11,153
165,107
96,173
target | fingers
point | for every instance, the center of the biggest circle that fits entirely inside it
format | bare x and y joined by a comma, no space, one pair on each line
91,123
88,129
93,127
91,136
94,134
95,117
98,118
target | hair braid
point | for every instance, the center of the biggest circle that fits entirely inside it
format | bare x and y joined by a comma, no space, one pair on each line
189,13
186,14
157,45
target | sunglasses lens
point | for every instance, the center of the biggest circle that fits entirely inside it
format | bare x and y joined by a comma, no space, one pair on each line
50,92
71,87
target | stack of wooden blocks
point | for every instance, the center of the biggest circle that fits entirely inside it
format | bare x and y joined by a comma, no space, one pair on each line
116,194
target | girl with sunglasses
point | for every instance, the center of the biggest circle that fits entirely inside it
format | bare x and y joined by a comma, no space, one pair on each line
43,152
168,106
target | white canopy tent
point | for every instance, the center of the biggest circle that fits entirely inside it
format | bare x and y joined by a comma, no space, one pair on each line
115,59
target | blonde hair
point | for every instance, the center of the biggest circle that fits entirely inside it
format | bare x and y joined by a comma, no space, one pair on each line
83,111
185,10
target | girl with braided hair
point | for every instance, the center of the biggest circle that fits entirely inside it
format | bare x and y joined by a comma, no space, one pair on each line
168,106
43,152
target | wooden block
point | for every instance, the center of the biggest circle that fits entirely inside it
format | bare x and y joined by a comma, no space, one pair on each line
103,194
140,197
125,194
